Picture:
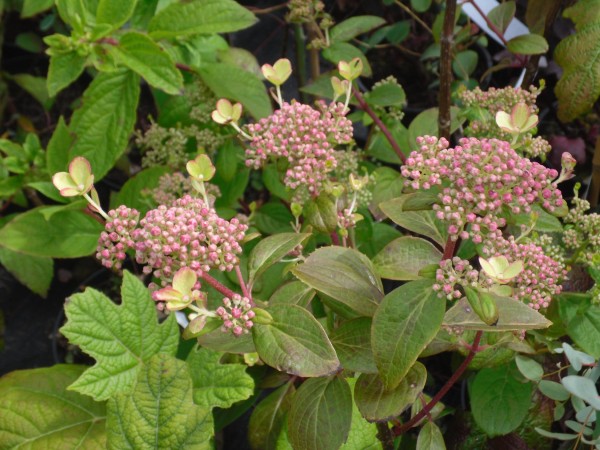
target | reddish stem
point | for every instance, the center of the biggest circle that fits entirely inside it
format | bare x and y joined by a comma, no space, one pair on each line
495,29
240,277
443,391
449,249
386,132
218,285
335,240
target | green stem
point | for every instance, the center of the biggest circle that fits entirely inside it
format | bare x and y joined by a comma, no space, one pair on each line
96,206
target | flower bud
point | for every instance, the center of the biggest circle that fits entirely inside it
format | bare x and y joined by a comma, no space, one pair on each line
483,304
262,317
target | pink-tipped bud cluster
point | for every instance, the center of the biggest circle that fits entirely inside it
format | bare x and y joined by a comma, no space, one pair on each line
479,178
303,136
541,276
457,271
116,238
237,315
188,233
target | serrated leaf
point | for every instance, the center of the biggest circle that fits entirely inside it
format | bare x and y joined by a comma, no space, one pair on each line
115,12
224,80
134,192
37,411
120,338
582,319
103,124
403,258
583,13
270,250
64,68
408,318
512,315
342,51
35,272
268,418
528,44
353,27
376,403
344,274
499,400
159,412
200,17
139,53
579,86
352,342
294,292
321,414
295,343
430,438
215,384
65,233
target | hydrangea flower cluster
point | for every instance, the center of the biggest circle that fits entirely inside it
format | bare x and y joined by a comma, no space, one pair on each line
484,105
478,179
541,276
117,236
582,234
457,271
303,136
237,315
188,233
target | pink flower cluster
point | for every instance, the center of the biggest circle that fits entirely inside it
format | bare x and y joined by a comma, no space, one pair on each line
305,137
479,178
189,233
456,271
237,314
116,237
541,277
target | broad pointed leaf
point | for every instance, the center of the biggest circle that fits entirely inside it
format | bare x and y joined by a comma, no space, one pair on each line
352,342
403,258
270,250
120,338
269,418
35,272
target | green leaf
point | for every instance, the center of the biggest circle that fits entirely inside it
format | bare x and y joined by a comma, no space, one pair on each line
115,12
421,222
120,338
352,342
321,213
294,293
376,403
403,258
66,233
134,192
388,185
545,223
502,15
529,368
270,250
363,435
103,124
408,318
579,86
528,44
342,51
426,124
420,5
584,388
268,418
430,438
273,218
37,411
59,146
225,79
215,384
344,274
200,17
465,63
32,7
386,95
353,27
64,68
295,343
583,13
35,272
35,86
321,414
139,53
512,315
499,400
553,390
227,342
159,411
76,13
